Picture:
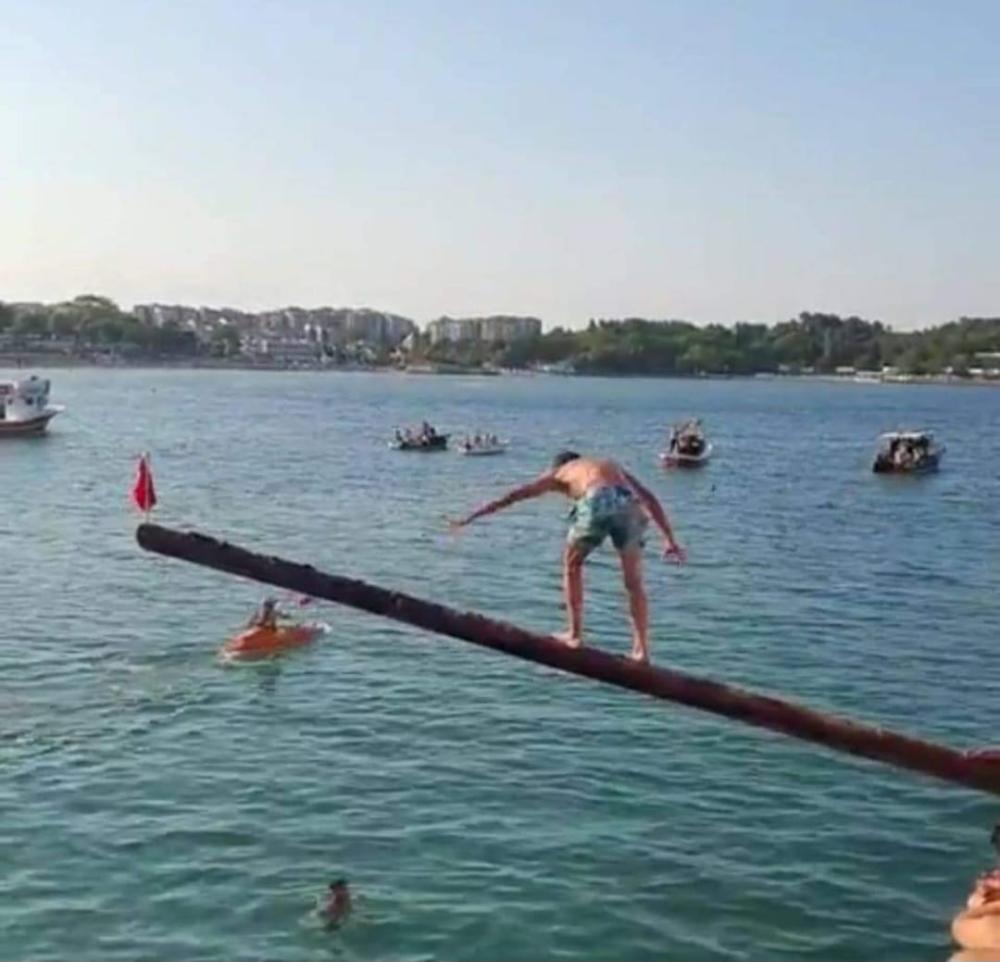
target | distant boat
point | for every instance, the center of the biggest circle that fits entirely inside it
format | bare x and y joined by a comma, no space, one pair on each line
420,442
563,368
688,447
24,407
482,448
907,452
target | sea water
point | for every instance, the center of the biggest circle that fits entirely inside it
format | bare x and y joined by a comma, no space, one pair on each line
159,805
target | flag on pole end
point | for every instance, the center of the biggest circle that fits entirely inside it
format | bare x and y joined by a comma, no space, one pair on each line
143,492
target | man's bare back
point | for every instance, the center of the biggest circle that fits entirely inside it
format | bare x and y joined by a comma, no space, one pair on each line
577,477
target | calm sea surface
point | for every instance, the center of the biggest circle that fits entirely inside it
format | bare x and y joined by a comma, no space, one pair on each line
157,805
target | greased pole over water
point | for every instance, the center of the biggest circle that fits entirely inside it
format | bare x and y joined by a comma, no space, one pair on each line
973,770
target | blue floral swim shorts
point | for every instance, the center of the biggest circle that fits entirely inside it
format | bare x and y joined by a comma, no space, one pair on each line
610,511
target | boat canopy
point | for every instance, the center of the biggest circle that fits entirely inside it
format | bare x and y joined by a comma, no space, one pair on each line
906,436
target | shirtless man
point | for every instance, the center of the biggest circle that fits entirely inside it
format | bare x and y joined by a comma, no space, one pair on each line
607,500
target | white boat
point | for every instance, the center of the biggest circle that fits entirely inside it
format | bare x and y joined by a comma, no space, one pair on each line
24,407
482,449
678,459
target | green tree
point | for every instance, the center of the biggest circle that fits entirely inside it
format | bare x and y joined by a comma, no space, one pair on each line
224,341
32,324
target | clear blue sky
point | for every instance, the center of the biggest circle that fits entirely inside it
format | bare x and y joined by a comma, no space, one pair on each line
702,159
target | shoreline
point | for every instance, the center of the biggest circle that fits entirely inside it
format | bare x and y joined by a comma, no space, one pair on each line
31,362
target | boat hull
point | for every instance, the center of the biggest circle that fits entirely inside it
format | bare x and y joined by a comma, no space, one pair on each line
437,443
26,429
262,642
483,452
675,459
929,465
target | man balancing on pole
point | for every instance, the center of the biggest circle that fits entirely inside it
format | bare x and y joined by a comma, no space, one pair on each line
607,500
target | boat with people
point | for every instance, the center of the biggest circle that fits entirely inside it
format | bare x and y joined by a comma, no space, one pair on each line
270,632
687,446
481,445
907,452
426,438
24,407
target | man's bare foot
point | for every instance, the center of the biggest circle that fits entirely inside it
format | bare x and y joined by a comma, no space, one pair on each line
568,638
639,654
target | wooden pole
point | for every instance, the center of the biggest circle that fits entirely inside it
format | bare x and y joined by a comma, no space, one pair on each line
973,770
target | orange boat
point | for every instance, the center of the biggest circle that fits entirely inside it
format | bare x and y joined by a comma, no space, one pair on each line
261,642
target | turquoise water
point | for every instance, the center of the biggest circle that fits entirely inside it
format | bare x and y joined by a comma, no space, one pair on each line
158,805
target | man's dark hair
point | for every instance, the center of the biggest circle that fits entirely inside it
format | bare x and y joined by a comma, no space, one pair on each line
564,457
337,883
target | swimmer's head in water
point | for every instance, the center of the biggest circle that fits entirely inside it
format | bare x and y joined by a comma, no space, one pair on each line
340,883
995,837
564,457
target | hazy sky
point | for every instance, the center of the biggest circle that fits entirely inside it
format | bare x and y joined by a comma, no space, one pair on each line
709,160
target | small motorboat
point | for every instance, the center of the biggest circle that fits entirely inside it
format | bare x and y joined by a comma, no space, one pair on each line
482,446
435,442
424,439
24,407
688,446
261,642
907,452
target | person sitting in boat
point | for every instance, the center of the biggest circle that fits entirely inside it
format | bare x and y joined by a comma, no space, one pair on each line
690,444
266,616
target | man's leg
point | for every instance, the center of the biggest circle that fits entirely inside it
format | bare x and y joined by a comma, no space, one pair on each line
631,560
573,558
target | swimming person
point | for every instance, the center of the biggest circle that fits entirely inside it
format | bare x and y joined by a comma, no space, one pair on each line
607,501
338,904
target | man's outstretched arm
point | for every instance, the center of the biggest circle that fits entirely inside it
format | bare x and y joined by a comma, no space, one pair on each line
533,489
652,504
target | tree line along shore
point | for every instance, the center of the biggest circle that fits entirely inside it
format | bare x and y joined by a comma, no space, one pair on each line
93,329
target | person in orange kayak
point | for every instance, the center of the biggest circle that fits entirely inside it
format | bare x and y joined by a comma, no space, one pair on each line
266,616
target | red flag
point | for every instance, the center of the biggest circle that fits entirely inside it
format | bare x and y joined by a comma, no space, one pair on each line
143,492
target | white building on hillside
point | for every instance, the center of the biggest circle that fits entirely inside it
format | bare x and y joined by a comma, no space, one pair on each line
487,329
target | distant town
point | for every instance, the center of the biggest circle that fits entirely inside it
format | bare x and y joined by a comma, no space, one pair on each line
95,329
91,329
